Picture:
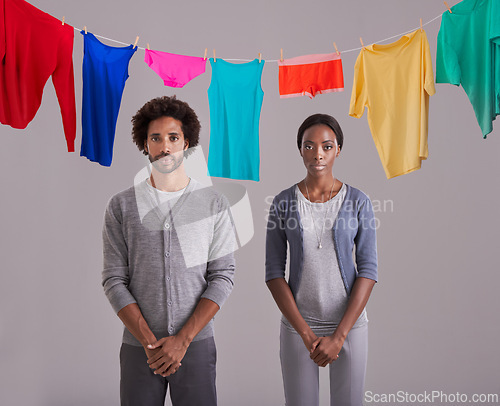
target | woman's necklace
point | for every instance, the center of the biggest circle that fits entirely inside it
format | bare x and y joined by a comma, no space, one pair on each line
319,237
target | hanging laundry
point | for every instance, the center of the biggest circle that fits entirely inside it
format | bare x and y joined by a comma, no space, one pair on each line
235,97
310,74
394,81
105,70
468,54
175,70
34,46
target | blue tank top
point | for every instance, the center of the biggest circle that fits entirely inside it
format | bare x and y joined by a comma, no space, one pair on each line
235,98
105,70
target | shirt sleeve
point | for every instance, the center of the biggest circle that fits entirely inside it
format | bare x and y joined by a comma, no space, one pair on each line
115,274
64,84
447,66
495,22
221,263
495,40
366,242
276,244
428,72
359,94
3,38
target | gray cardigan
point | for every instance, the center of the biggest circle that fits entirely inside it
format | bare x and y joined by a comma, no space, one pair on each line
354,229
166,263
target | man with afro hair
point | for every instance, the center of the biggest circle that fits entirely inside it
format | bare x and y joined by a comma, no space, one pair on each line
168,245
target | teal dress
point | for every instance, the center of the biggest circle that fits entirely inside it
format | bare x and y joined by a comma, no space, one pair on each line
235,98
468,54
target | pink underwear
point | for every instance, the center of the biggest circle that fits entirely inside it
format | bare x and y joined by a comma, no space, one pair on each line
175,70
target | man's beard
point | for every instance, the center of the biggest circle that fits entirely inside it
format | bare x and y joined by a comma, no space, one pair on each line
173,161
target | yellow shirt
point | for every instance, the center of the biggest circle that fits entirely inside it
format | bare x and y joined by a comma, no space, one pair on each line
394,82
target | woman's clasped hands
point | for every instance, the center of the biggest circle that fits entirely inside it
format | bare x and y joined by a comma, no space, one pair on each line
325,350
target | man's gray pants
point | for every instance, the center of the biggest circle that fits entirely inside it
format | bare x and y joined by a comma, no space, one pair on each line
192,384
301,373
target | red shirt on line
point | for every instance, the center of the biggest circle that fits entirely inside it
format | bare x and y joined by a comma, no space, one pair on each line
33,46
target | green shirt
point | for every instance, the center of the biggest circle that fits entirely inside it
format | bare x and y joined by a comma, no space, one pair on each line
468,54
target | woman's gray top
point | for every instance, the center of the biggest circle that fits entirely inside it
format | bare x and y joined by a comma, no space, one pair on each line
321,297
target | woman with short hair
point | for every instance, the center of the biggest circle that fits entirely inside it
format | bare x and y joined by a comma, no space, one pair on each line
323,221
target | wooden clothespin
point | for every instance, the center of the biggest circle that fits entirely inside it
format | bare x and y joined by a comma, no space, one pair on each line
63,20
85,29
260,57
147,46
205,57
215,59
447,6
136,41
421,28
336,49
281,53
361,40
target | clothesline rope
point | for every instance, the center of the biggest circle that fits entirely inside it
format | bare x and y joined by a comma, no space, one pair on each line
394,36
276,60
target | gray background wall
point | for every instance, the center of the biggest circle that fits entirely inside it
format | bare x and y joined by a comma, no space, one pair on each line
433,316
